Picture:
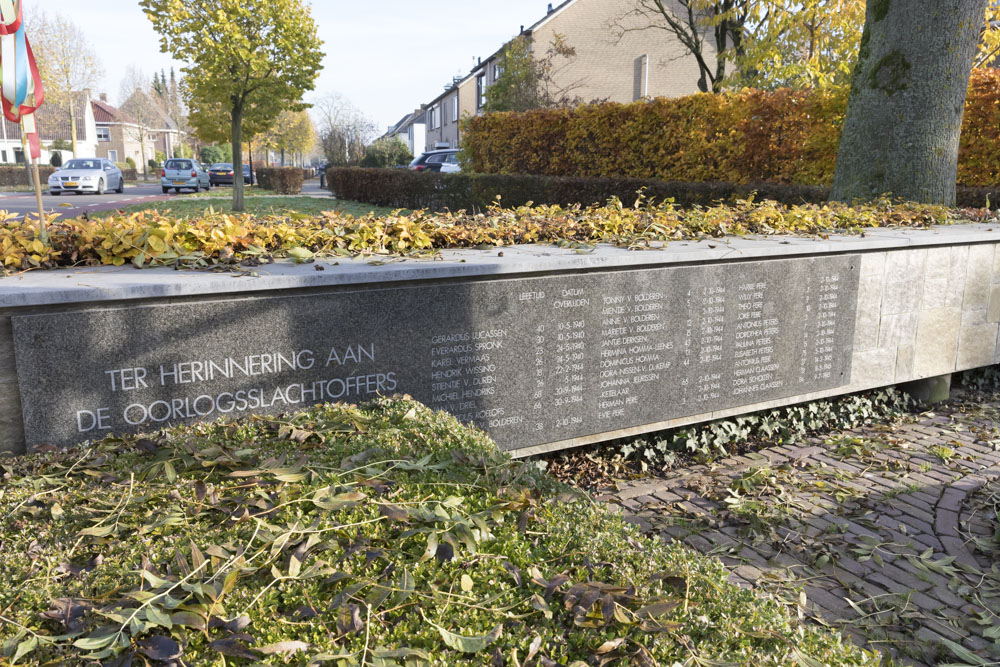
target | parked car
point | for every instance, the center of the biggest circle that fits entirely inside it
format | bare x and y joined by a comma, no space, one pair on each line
222,173
444,161
181,173
95,175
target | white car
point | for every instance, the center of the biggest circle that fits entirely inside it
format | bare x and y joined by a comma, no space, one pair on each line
95,175
181,173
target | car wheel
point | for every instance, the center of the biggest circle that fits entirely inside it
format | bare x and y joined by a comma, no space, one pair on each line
121,185
55,193
100,187
166,191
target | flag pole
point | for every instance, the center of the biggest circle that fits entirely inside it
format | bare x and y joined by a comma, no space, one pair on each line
43,232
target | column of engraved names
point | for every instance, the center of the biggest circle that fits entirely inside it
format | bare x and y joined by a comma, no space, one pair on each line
756,368
824,328
463,375
704,343
567,370
634,352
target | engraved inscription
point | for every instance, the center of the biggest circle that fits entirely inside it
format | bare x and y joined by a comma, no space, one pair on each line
531,360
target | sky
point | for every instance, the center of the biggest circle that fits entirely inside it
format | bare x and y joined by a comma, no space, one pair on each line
386,56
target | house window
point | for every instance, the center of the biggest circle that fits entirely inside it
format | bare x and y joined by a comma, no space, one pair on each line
104,134
454,109
640,83
480,91
18,156
3,157
113,156
497,71
435,117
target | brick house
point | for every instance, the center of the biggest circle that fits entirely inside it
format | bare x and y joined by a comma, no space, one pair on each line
53,125
411,130
636,65
117,134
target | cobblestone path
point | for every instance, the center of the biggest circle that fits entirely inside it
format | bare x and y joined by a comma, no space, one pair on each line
888,534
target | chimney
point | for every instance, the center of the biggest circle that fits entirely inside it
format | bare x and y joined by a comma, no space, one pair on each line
104,97
522,30
550,9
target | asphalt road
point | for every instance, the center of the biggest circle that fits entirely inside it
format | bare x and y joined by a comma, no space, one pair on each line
72,205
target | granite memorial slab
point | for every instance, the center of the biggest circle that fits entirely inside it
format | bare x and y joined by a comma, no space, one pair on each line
531,360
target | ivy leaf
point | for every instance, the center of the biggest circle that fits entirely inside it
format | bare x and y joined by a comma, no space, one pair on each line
24,648
232,648
285,648
159,647
470,644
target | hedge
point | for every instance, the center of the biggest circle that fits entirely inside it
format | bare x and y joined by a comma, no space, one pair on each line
283,180
148,238
13,176
783,136
397,188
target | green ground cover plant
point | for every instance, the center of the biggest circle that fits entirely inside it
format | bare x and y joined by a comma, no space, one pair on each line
381,535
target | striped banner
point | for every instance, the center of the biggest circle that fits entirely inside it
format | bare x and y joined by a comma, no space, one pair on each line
20,83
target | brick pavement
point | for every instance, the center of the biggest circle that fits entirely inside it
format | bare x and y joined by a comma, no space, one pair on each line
890,533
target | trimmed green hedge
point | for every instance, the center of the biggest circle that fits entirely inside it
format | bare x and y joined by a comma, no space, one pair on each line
13,176
401,188
283,180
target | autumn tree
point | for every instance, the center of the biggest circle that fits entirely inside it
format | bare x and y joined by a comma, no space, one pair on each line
344,131
241,55
806,44
293,133
528,81
68,63
712,32
143,112
385,153
904,117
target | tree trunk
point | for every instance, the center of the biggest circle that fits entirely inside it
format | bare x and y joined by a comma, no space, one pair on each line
908,93
72,124
237,139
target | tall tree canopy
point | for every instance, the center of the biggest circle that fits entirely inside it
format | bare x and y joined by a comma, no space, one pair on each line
771,43
68,63
241,55
904,117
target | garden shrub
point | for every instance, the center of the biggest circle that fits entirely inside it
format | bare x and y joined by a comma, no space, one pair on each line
283,180
475,192
385,534
18,175
783,136
386,153
130,163
56,160
151,237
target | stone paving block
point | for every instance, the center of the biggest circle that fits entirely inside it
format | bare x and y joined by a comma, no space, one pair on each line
978,278
885,509
897,329
936,345
869,313
993,312
904,287
977,345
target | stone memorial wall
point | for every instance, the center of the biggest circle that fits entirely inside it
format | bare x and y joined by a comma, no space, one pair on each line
531,360
597,347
